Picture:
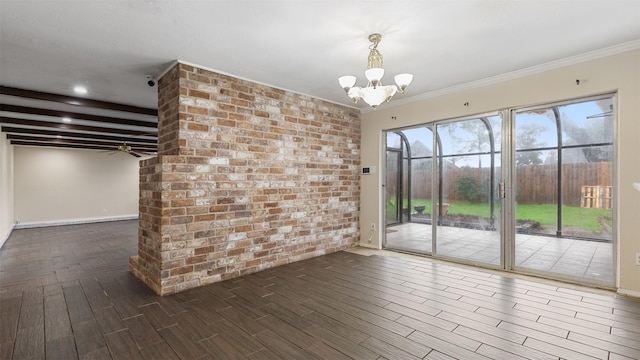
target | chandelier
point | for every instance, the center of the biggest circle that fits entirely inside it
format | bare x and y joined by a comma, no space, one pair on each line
374,93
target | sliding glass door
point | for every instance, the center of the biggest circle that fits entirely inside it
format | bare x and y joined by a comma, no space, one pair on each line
563,186
449,194
529,190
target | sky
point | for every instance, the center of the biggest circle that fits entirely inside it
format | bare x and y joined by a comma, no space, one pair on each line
579,124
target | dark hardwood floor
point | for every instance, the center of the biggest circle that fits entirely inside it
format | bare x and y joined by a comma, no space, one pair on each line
65,293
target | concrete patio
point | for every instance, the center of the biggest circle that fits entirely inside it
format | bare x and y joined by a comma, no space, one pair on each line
590,260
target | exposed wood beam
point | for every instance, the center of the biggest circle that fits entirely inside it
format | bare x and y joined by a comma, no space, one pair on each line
9,120
59,144
62,132
71,100
73,115
113,146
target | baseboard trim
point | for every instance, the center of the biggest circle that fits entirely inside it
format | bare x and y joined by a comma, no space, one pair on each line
631,293
369,246
6,235
36,224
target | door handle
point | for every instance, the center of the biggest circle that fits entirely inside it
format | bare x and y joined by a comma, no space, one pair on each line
502,193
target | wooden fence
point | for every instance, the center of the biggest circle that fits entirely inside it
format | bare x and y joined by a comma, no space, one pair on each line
536,184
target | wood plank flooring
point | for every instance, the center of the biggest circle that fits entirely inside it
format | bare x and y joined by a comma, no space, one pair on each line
65,293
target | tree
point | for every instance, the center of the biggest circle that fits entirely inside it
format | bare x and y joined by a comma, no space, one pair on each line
474,138
597,128
526,141
477,139
469,188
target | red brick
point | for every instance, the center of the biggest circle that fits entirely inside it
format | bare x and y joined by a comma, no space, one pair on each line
197,127
225,122
197,110
199,94
272,186
181,270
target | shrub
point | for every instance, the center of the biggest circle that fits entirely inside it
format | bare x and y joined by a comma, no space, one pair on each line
470,189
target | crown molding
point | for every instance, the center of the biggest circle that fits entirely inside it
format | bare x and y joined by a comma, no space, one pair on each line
532,70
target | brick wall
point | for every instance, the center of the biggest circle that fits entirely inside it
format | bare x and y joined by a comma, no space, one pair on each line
248,177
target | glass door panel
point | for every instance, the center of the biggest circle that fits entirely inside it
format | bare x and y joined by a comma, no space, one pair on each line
393,182
392,199
408,188
468,206
563,176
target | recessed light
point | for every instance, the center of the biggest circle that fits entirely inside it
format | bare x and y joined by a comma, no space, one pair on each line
59,136
66,119
80,90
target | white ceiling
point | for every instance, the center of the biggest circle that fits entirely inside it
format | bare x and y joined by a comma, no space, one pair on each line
303,46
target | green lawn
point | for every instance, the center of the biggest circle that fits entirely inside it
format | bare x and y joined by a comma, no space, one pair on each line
545,214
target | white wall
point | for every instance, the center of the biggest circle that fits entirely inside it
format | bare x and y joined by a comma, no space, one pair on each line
614,73
58,186
6,189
